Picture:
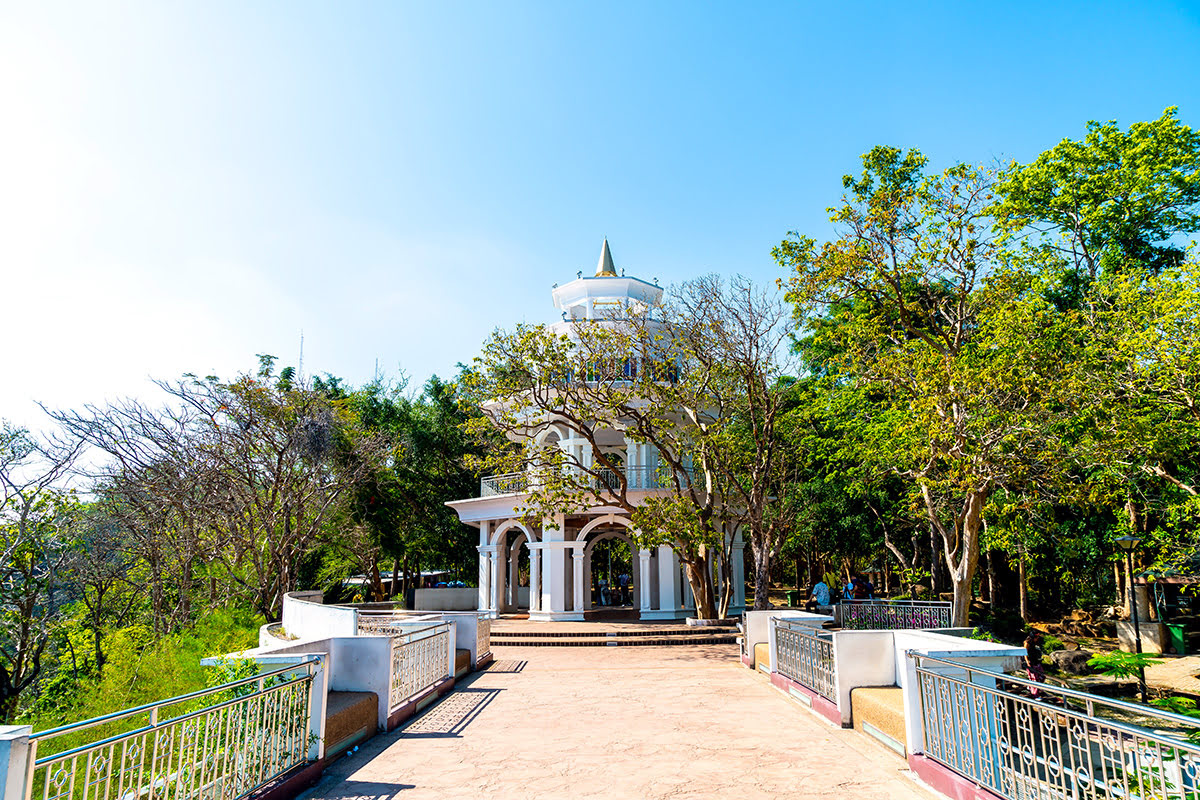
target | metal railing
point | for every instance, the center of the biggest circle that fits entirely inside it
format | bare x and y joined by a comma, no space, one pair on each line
483,636
877,615
806,657
510,483
600,480
223,742
1062,744
385,622
420,659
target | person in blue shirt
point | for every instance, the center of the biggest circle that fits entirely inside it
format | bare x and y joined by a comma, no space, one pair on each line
819,601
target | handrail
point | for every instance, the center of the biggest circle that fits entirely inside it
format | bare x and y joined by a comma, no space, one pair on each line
116,737
899,601
1087,698
1051,742
307,665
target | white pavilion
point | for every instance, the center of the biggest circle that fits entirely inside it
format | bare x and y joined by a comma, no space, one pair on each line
548,569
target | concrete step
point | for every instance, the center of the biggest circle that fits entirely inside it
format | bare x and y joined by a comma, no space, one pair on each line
615,641
643,633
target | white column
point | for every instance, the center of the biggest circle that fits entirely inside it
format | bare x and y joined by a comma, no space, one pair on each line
587,582
689,601
14,759
554,564
535,577
498,579
739,576
514,577
668,579
554,577
644,579
485,579
577,583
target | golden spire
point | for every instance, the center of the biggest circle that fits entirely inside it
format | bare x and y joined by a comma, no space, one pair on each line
605,268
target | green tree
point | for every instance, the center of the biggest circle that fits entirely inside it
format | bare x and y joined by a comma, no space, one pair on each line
934,290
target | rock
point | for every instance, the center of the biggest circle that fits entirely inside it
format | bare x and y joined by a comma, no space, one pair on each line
1072,662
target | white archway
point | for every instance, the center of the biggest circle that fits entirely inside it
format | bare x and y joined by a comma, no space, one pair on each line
613,523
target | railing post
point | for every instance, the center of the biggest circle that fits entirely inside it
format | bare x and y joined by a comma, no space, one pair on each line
16,757
316,710
450,649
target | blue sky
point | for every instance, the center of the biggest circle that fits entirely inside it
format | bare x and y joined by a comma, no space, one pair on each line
183,185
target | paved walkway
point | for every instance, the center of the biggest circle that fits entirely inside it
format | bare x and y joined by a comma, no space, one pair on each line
618,722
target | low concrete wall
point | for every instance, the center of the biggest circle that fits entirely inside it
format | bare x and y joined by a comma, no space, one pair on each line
864,658
757,626
880,658
306,619
455,599
354,664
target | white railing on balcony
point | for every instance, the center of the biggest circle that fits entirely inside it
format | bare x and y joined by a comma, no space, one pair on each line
1062,744
420,658
877,615
217,743
483,636
510,483
805,655
601,479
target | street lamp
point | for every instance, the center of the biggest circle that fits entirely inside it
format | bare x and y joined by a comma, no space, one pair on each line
1128,543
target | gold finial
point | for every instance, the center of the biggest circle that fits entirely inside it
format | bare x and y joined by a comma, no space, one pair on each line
605,268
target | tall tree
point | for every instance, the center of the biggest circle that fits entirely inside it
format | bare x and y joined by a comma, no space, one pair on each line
917,256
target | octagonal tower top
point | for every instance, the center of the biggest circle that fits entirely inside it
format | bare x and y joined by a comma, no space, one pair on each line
599,295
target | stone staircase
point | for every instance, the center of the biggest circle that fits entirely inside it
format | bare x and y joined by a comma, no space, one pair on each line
613,636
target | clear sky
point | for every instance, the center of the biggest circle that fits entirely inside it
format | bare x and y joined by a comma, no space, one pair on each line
186,184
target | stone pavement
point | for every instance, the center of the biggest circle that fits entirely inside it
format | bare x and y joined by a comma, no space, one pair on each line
618,722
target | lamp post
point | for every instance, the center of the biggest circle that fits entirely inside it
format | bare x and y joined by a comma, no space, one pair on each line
1128,543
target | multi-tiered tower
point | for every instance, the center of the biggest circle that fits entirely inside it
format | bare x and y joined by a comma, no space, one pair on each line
560,551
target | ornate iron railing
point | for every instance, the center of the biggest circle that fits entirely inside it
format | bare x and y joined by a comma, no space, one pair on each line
510,483
876,615
483,636
420,659
1061,744
223,742
806,657
374,621
600,480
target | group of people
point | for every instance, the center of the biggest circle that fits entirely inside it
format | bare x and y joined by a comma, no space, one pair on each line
821,599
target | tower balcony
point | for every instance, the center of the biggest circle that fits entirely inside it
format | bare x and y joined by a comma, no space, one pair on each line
605,480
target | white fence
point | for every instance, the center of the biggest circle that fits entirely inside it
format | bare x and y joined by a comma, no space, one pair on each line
420,659
806,656
221,742
1064,744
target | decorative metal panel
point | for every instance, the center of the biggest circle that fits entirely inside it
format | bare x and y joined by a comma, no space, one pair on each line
806,657
243,737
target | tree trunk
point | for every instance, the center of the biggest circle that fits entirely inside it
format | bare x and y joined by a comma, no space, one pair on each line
964,561
1023,588
700,580
762,577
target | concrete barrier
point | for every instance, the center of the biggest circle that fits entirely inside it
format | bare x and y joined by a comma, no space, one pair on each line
446,599
305,619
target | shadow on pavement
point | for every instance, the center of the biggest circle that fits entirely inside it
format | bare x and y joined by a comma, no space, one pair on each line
451,715
506,666
371,790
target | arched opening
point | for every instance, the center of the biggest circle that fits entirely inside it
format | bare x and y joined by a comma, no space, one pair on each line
511,540
610,573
